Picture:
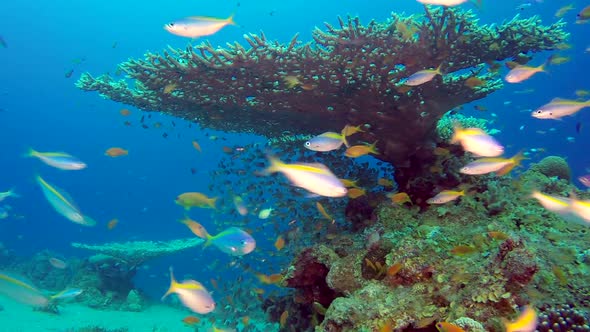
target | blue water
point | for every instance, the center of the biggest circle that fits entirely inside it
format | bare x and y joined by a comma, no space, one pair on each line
41,108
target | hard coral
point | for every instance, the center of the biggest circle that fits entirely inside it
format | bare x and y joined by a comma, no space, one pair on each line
563,318
553,166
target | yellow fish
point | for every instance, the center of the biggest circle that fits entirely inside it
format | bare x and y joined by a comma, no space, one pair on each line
361,150
445,196
189,200
192,294
323,211
526,322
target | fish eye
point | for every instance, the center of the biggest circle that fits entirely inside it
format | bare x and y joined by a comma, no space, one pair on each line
307,143
170,24
539,111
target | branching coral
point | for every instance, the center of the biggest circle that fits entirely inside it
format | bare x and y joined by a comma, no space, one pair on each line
350,73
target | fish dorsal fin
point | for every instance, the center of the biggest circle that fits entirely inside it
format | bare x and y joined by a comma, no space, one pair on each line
560,100
312,167
206,19
59,193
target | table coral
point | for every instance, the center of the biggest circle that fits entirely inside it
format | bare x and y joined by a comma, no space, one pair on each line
351,73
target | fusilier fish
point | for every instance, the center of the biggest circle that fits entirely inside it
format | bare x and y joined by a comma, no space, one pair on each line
521,73
501,166
477,141
316,178
558,108
325,142
192,294
422,76
61,201
198,26
445,196
59,160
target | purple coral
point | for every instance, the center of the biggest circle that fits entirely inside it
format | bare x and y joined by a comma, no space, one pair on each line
562,318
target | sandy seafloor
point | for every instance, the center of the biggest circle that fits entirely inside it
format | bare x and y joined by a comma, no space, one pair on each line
17,317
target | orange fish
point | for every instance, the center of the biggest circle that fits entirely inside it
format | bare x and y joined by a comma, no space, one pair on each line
385,182
280,243
214,283
400,198
386,327
438,151
394,269
112,224
350,130
361,150
269,279
125,112
258,291
463,250
191,320
323,211
474,82
227,149
195,227
169,88
246,320
283,319
197,146
448,327
116,152
498,235
356,192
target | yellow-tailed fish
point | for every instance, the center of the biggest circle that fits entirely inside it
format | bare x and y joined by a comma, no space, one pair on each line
558,108
423,76
349,183
59,160
68,293
361,150
521,73
16,288
198,26
445,196
477,141
581,208
233,241
189,200
501,166
323,211
526,322
446,3
316,178
192,294
325,142
351,130
563,10
6,194
552,203
61,202
265,213
584,14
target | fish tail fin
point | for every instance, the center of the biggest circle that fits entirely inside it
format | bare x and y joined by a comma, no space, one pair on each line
12,193
456,137
230,20
437,70
514,161
172,287
373,148
275,165
343,134
465,188
30,153
208,240
211,202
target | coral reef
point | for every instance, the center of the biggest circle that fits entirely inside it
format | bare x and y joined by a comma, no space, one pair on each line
563,318
349,74
135,253
482,257
553,166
